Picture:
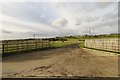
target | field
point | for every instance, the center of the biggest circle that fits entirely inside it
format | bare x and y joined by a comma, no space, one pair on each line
57,44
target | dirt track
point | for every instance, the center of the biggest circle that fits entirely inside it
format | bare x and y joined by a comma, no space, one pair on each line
67,61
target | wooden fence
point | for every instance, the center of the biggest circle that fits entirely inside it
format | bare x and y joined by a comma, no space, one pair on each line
9,46
109,44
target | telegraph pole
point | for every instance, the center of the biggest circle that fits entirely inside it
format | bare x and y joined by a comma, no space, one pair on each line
89,32
34,36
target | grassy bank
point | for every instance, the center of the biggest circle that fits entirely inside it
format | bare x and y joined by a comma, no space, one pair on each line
57,44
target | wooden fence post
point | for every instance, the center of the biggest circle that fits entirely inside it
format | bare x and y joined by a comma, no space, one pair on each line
3,48
35,44
27,45
7,46
42,44
23,46
17,47
46,44
49,44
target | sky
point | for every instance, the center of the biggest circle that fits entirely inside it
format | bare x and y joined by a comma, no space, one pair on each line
50,19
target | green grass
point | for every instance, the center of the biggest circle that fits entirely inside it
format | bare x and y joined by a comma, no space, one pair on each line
93,36
82,44
102,50
56,44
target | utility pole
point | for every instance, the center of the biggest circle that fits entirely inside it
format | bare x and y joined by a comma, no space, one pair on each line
89,32
34,36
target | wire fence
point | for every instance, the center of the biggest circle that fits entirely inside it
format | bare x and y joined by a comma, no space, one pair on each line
109,44
9,46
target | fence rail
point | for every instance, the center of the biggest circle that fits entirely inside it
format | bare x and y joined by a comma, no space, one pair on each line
109,44
9,46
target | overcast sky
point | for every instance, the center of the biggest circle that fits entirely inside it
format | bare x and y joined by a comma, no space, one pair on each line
49,19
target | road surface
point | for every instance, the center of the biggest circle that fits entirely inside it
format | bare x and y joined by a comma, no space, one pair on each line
65,62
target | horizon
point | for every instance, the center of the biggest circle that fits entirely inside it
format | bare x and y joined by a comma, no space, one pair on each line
34,37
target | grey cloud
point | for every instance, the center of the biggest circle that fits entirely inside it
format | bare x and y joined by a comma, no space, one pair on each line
110,16
105,27
60,22
6,31
6,23
103,4
43,33
91,19
108,23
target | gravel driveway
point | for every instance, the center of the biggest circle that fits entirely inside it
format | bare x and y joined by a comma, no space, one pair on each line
67,61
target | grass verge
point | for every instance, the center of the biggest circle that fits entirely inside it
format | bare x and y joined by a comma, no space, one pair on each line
102,50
